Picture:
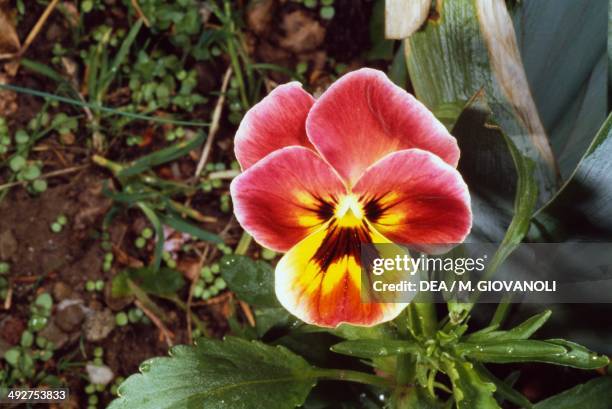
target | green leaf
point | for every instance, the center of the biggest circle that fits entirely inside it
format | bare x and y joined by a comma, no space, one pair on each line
97,107
511,351
448,63
397,70
120,57
159,233
267,318
569,83
185,227
353,332
251,280
365,348
488,168
161,156
486,219
526,329
553,351
422,321
594,394
578,356
233,373
470,390
522,331
164,281
504,390
381,49
582,208
524,207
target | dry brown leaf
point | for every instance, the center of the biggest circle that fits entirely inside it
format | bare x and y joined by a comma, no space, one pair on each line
303,33
8,98
9,41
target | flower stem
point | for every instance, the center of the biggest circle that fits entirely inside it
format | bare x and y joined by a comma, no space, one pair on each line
243,244
353,376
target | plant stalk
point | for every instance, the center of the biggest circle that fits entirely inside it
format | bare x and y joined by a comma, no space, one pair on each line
353,376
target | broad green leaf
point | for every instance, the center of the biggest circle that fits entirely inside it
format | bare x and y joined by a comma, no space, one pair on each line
233,373
497,30
488,168
583,207
566,69
594,394
397,70
366,348
486,217
381,48
251,280
165,281
524,207
448,63
267,318
470,390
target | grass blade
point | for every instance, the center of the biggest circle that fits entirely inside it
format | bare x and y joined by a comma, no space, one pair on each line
161,156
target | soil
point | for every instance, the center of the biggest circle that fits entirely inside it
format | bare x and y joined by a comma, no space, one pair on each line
61,263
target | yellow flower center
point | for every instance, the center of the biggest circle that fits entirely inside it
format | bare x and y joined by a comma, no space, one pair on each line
349,212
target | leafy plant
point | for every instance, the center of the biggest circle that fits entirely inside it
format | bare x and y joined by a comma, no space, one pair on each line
417,360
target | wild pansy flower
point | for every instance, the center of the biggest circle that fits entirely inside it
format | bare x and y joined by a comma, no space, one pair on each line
364,163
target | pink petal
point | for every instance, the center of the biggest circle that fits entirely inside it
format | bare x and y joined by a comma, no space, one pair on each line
364,116
286,196
276,121
414,197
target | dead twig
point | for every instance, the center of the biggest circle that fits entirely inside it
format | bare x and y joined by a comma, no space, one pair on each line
164,331
8,301
37,27
45,176
214,127
216,300
246,310
140,13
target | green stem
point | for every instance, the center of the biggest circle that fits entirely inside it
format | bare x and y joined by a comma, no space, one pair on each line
107,163
502,310
243,244
353,376
405,370
231,50
114,111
